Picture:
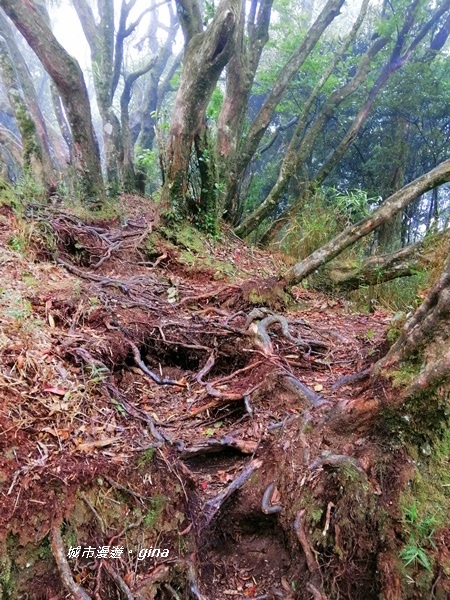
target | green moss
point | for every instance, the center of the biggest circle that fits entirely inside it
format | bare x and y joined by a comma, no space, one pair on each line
145,458
7,195
421,420
5,572
404,376
153,517
273,297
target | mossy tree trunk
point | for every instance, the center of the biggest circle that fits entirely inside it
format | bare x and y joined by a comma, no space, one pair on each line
129,175
206,54
381,268
389,235
18,83
68,77
422,354
100,37
302,143
390,207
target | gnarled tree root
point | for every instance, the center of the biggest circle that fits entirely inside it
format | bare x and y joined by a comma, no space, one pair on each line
315,585
63,566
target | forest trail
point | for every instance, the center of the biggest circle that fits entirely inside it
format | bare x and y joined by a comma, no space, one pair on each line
160,393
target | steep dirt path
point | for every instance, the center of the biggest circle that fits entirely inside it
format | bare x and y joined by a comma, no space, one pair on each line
147,405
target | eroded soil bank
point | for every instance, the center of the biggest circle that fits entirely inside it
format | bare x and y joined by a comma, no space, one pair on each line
161,391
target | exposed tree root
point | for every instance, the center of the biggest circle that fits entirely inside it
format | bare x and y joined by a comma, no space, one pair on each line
140,363
315,584
336,460
63,566
243,381
120,583
212,507
266,506
215,446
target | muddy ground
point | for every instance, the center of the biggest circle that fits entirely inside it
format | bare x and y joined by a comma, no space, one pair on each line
161,390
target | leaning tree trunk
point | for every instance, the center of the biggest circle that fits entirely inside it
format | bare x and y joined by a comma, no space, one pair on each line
68,77
262,120
301,143
424,349
394,63
390,207
206,54
349,276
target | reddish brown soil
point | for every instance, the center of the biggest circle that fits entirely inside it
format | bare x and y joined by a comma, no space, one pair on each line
78,444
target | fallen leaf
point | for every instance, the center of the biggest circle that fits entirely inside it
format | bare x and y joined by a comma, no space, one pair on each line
63,434
87,446
55,390
51,321
276,497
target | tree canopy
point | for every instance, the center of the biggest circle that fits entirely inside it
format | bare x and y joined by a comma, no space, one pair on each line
242,111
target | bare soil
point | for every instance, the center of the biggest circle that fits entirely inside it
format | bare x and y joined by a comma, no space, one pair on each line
141,407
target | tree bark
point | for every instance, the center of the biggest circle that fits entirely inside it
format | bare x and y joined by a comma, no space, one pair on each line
425,340
62,121
391,206
380,269
206,54
27,109
68,77
241,72
100,38
31,147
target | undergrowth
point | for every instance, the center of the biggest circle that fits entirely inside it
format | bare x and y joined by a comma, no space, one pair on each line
425,504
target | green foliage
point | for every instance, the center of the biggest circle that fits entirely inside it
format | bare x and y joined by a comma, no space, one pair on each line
7,195
215,105
27,189
323,215
420,530
146,457
147,163
153,518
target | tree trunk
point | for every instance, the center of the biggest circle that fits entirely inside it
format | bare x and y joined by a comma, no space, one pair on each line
206,54
27,111
240,77
68,77
301,144
156,89
62,121
379,269
264,116
423,345
31,147
298,158
100,38
129,175
390,207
